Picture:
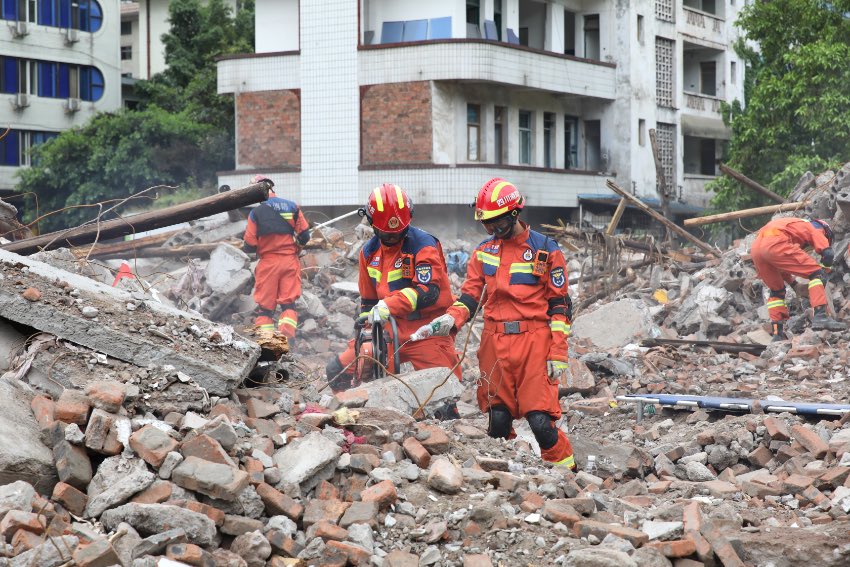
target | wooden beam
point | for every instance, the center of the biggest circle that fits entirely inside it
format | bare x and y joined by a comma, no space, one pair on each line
666,222
659,175
125,246
615,220
116,228
556,231
745,213
754,185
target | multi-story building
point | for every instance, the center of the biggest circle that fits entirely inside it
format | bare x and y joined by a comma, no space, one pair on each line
130,40
439,96
59,65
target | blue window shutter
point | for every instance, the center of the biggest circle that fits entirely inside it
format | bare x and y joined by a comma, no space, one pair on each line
64,13
10,156
10,75
97,85
84,15
45,13
85,83
95,16
10,9
64,81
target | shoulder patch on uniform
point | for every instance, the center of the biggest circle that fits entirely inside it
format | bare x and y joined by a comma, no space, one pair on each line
527,255
558,279
423,272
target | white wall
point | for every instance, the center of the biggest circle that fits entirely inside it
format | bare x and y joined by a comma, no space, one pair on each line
376,12
276,25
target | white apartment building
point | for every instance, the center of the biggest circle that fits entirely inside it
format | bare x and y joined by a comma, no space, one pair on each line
439,96
59,65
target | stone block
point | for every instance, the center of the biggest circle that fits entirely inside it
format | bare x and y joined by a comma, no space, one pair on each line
99,553
302,459
213,479
149,519
72,465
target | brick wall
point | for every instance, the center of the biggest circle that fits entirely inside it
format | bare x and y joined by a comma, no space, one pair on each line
268,129
395,123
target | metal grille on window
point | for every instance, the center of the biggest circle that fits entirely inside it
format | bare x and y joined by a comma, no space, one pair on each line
664,71
664,10
666,139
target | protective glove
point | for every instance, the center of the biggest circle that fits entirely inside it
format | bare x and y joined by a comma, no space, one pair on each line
555,368
380,313
439,327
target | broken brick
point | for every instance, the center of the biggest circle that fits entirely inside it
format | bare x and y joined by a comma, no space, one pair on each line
417,452
810,440
278,503
384,493
72,499
72,407
152,445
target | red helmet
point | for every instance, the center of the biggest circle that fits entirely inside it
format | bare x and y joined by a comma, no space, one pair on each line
827,230
496,198
389,208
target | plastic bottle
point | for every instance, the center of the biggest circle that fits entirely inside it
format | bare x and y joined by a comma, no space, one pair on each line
591,464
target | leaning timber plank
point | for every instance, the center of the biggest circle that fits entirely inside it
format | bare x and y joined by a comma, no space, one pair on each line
615,219
115,228
666,222
560,231
745,213
719,346
754,185
132,337
125,246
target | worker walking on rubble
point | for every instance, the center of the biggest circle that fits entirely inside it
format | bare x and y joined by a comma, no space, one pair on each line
527,311
402,274
276,228
778,254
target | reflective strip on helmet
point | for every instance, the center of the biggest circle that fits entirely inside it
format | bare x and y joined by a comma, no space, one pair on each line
522,268
482,215
379,202
488,258
497,189
374,273
394,275
815,282
400,196
776,303
411,296
558,327
460,304
568,462
286,216
288,321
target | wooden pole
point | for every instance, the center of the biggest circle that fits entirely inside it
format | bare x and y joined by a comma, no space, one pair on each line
745,213
659,175
754,185
125,246
115,228
666,222
615,220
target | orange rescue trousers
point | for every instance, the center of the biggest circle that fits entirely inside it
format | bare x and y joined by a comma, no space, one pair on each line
277,282
513,375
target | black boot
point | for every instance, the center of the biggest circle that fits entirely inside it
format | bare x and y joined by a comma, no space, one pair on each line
447,411
779,332
822,321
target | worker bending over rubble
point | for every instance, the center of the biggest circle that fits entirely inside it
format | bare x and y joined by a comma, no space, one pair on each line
276,227
527,313
778,254
402,274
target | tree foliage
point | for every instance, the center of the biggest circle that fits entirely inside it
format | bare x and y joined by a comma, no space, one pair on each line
797,112
181,134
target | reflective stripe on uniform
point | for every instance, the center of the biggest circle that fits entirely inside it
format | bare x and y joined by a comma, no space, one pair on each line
374,273
558,327
266,327
286,216
488,258
774,303
522,268
569,462
460,304
379,202
288,321
411,296
815,282
394,275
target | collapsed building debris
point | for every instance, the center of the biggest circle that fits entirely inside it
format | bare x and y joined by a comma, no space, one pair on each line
147,435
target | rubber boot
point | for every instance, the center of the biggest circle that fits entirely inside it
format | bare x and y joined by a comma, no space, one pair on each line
822,321
779,332
447,411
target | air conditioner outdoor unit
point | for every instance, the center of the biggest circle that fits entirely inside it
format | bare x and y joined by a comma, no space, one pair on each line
19,29
22,100
73,105
72,35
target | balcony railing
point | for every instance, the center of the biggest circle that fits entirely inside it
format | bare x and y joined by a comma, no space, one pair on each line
704,25
701,102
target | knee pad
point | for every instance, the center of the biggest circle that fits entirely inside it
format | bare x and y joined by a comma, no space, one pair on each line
777,293
820,275
500,422
544,430
285,306
262,311
333,368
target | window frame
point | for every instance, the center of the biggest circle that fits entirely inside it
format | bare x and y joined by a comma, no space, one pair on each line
526,135
473,132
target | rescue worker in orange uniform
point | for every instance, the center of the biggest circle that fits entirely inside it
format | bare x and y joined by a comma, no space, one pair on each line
778,256
276,227
402,273
527,311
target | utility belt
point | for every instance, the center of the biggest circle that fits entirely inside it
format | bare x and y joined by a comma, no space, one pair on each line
513,327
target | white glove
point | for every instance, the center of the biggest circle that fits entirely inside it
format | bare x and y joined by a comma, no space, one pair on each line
555,368
439,327
380,313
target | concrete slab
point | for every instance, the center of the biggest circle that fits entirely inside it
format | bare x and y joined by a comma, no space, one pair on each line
390,393
152,334
616,324
22,454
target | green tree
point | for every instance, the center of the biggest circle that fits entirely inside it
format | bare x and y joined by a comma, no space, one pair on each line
181,135
797,112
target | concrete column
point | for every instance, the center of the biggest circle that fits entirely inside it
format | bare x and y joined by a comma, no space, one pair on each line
512,135
488,142
537,145
511,15
554,28
487,10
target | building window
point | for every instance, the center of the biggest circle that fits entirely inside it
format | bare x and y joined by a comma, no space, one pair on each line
664,71
127,28
473,132
497,17
640,29
499,133
126,52
85,15
733,70
8,75
708,78
525,137
666,140
30,140
10,149
664,10
641,132
593,144
569,33
591,36
548,133
571,142
50,79
473,18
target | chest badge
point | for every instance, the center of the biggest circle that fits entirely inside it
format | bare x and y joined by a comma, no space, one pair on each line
527,255
398,263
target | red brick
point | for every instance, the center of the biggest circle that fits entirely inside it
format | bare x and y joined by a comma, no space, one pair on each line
396,123
355,398
531,502
834,477
42,409
477,560
260,409
760,456
810,440
16,520
277,503
107,395
31,294
24,541
560,511
72,407
326,531
720,545
417,453
797,483
776,429
692,525
814,495
157,493
437,442
326,491
72,499
206,448
152,445
675,548
808,352
98,429
189,554
585,528
384,493
211,512
399,558
268,130
328,510
99,553
356,555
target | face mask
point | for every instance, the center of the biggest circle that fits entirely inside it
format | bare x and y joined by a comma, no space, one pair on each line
501,228
390,238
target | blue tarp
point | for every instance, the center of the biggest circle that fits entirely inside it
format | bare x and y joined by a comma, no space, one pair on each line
739,404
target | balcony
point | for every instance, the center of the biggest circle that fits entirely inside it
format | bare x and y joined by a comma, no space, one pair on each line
254,72
703,26
486,62
701,116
